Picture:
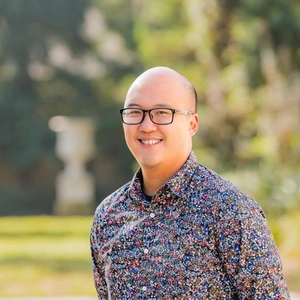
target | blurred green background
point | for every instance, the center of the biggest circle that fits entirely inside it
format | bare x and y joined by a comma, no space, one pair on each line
78,58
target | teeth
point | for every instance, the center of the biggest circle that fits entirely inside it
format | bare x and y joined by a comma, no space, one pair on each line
150,142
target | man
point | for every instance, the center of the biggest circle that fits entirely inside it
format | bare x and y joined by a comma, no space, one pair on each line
178,230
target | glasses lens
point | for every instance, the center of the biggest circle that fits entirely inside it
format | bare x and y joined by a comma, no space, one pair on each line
158,115
162,115
132,115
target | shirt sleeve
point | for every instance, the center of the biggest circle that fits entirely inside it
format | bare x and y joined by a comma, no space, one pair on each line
98,266
249,254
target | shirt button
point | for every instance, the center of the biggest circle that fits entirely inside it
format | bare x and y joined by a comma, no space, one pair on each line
144,288
152,215
146,251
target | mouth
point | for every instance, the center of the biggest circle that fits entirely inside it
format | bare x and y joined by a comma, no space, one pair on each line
150,142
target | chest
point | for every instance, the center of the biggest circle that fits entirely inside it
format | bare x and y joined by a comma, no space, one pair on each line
162,235
162,252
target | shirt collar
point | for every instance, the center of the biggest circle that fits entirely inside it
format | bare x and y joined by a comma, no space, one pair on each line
181,184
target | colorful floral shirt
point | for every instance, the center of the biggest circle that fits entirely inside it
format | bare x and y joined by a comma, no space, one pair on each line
199,237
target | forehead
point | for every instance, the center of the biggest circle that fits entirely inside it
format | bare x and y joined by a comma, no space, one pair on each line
155,93
148,105
147,102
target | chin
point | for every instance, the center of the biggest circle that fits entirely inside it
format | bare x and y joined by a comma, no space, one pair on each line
149,163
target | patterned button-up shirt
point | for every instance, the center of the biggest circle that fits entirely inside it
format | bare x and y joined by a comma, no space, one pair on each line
199,237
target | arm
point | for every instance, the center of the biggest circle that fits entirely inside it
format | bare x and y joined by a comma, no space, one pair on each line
249,255
98,267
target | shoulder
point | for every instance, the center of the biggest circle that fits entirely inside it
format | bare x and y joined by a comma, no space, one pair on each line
225,198
113,200
107,211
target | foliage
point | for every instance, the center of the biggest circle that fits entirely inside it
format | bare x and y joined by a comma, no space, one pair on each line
287,236
245,68
49,66
78,57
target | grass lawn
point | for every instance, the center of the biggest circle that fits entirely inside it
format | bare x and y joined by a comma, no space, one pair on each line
50,256
45,256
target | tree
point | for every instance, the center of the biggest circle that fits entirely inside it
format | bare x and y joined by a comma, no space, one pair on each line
51,64
243,58
78,57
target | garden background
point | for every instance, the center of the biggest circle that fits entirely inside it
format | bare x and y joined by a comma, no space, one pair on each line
78,58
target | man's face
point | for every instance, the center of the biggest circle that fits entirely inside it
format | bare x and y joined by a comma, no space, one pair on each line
160,146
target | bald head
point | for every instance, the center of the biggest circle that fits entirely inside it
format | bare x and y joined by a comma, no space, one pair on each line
161,147
169,80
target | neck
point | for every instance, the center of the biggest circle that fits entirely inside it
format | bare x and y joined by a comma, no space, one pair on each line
155,178
153,181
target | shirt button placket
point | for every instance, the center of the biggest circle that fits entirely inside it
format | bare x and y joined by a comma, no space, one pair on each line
146,250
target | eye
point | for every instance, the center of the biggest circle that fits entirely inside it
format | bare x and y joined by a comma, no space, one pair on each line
133,112
162,112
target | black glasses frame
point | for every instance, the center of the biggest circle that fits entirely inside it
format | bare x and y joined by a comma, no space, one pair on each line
174,111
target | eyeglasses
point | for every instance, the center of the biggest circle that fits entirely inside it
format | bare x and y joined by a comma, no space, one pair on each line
159,116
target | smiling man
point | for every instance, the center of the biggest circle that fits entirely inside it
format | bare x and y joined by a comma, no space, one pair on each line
160,149
178,230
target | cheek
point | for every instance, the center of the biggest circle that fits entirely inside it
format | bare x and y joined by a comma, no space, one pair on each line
180,131
126,134
129,135
127,131
180,138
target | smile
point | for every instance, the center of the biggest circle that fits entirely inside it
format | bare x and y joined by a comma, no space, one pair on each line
150,142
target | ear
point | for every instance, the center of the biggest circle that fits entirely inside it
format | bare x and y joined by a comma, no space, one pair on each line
193,125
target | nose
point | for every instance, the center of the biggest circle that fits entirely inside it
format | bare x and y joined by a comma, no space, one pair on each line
147,125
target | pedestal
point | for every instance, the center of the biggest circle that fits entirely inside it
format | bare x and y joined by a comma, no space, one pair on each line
75,187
